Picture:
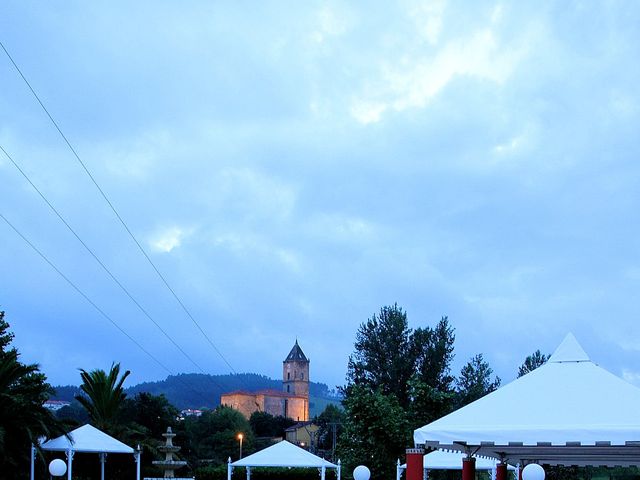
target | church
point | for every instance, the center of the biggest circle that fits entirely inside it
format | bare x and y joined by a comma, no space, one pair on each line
291,402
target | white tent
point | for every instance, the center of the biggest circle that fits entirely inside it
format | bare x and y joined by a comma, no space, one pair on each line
569,411
283,454
88,439
447,460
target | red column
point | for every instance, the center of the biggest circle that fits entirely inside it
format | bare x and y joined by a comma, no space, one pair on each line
468,468
414,463
501,471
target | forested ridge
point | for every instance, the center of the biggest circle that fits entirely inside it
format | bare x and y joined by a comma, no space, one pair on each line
205,390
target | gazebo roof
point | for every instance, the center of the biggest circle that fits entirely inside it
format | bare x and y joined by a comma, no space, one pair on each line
283,454
87,439
569,411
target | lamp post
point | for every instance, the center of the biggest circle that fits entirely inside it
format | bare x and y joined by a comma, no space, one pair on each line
240,437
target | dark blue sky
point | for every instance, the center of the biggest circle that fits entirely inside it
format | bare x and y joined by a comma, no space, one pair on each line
291,168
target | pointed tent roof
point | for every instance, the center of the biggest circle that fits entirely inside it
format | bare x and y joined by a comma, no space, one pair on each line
569,351
569,402
283,454
87,439
296,354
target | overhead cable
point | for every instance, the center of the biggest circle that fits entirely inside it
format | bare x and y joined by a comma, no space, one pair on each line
113,209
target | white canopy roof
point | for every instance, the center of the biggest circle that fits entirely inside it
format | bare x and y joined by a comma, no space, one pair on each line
87,439
569,402
283,454
446,460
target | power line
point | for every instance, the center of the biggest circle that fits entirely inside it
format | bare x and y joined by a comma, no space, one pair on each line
94,305
124,224
104,267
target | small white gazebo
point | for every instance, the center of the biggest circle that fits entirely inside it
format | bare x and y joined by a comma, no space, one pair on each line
88,439
283,454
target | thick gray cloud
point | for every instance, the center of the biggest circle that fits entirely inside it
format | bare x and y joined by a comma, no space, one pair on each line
292,168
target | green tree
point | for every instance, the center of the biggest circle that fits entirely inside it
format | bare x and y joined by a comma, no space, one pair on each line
376,431
431,388
330,425
23,418
214,435
475,380
428,403
383,358
264,424
152,412
533,361
103,396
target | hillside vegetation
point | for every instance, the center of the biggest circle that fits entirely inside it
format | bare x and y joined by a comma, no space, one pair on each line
197,391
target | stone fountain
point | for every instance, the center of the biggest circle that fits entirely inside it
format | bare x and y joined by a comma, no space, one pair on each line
169,464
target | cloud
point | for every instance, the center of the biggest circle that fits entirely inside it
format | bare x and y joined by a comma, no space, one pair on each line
329,23
168,239
338,227
428,19
415,77
256,194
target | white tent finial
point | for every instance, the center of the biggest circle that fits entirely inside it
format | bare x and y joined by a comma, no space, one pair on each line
569,351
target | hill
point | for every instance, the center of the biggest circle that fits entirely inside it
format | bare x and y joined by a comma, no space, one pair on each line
198,391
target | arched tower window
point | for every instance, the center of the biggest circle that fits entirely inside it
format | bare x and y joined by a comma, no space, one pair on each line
288,388
288,375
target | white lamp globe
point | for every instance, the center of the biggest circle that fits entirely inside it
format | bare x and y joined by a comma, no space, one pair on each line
361,473
533,471
57,467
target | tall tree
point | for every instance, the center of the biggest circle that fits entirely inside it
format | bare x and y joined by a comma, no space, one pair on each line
383,358
103,396
475,380
394,371
431,388
376,431
533,361
23,418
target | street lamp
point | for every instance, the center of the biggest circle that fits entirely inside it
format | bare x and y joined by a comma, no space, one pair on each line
240,437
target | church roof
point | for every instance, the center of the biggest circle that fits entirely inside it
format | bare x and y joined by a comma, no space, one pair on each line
296,354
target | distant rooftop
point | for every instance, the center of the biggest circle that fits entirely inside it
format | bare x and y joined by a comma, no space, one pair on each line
266,392
296,354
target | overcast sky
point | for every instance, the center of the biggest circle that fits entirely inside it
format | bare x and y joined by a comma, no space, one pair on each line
291,167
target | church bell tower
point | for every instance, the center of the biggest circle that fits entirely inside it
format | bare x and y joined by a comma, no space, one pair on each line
295,372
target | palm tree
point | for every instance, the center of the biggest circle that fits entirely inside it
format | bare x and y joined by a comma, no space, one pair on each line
23,418
103,396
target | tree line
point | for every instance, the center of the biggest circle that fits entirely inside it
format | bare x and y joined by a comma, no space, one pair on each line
397,379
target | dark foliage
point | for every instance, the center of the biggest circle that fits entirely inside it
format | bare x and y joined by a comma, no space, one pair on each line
475,381
533,361
264,424
23,418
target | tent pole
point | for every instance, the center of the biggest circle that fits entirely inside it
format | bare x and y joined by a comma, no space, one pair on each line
137,458
70,454
398,472
103,459
248,473
322,472
229,469
469,468
33,454
339,468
